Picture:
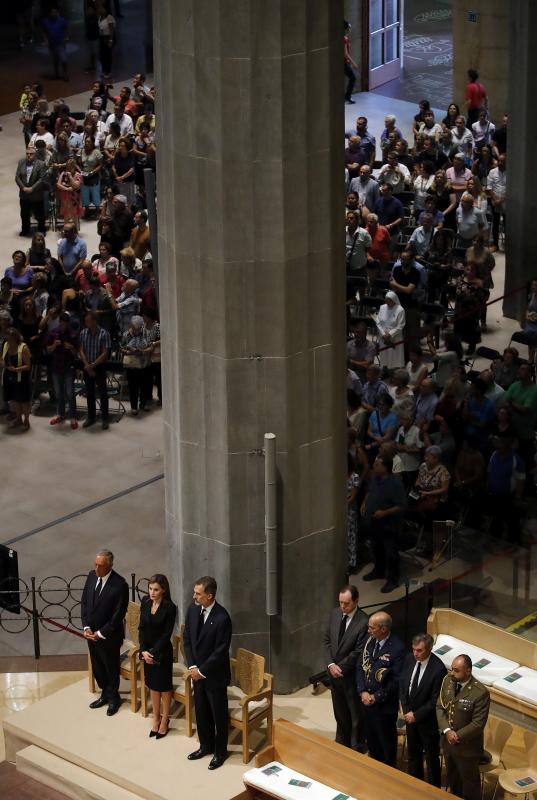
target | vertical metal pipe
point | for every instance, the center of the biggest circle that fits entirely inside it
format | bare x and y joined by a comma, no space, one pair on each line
35,623
271,526
150,185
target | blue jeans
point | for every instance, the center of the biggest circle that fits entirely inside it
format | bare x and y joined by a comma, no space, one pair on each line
64,386
91,194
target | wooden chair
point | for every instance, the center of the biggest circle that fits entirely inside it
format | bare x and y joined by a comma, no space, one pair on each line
497,734
508,779
131,667
249,697
182,682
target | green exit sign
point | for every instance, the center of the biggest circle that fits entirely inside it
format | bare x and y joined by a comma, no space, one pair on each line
472,16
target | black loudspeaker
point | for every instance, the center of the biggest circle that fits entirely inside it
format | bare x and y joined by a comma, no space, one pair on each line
9,580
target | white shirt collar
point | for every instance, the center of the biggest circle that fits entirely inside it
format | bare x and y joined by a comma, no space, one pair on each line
423,666
104,579
208,611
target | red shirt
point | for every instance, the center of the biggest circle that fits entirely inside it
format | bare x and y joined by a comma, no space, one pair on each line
476,94
116,285
81,282
346,49
380,244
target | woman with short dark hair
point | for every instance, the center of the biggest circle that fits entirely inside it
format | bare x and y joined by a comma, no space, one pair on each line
157,620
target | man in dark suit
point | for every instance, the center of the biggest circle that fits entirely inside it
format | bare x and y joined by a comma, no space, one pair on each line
207,638
419,687
462,712
377,679
104,603
344,638
30,177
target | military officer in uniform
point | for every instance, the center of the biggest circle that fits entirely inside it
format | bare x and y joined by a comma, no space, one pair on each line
377,680
462,712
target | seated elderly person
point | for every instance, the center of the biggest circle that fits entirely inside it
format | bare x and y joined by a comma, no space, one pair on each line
360,351
422,236
127,305
431,488
470,221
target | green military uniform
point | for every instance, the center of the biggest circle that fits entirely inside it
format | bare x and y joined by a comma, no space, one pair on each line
465,712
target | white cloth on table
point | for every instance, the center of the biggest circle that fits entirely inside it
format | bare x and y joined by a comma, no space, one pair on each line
521,683
488,673
277,783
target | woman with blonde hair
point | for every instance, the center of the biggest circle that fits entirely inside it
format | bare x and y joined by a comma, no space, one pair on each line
68,187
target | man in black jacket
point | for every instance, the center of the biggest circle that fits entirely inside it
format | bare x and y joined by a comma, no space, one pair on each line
30,177
104,603
343,639
207,638
419,687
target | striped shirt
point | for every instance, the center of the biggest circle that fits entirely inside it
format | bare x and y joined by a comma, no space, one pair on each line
93,344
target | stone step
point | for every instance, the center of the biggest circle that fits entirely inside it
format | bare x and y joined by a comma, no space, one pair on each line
68,778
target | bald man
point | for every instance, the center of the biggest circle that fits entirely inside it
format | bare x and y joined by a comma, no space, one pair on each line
462,712
377,681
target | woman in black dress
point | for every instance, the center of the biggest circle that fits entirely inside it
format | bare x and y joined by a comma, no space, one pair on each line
157,618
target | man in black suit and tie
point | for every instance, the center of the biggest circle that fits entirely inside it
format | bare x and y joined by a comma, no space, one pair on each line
377,679
344,638
207,638
30,177
104,603
419,687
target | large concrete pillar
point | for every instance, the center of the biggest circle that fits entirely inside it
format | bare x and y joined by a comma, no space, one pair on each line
521,144
481,41
250,199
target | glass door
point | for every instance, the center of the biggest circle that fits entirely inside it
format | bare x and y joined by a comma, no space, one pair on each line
382,59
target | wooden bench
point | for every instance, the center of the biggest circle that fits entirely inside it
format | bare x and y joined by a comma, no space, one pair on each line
338,767
502,643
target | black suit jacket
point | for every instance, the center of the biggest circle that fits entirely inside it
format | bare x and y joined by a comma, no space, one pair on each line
106,612
155,634
350,649
209,653
37,180
423,701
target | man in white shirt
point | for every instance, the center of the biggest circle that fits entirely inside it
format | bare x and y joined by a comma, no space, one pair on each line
461,137
422,236
496,190
394,173
42,133
470,221
483,129
126,126
419,687
429,127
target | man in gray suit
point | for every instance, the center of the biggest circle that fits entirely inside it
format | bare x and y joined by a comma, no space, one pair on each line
344,638
30,177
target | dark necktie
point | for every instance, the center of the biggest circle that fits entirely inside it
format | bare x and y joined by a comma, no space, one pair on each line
376,650
458,687
98,587
414,687
342,628
201,620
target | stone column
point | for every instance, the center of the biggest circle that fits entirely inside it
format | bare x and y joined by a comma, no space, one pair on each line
484,46
250,203
521,198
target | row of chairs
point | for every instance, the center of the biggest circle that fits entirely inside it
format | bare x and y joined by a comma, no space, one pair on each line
250,694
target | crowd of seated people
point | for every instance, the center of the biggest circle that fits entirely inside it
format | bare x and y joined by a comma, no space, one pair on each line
423,223
70,319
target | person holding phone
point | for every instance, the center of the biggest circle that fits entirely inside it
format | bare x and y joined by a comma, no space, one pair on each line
157,619
136,349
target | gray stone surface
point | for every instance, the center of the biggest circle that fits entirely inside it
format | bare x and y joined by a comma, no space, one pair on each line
521,197
252,296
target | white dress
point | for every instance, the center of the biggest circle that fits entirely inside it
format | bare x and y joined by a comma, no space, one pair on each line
391,321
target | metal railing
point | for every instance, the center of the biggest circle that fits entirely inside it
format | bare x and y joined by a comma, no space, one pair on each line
52,604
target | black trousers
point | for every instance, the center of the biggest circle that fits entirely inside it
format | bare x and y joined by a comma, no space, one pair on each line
351,80
139,381
105,54
156,375
418,743
105,662
503,512
38,209
381,734
348,711
211,717
385,551
98,382
496,216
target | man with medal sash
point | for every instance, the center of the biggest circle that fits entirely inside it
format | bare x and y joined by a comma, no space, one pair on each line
377,680
462,712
